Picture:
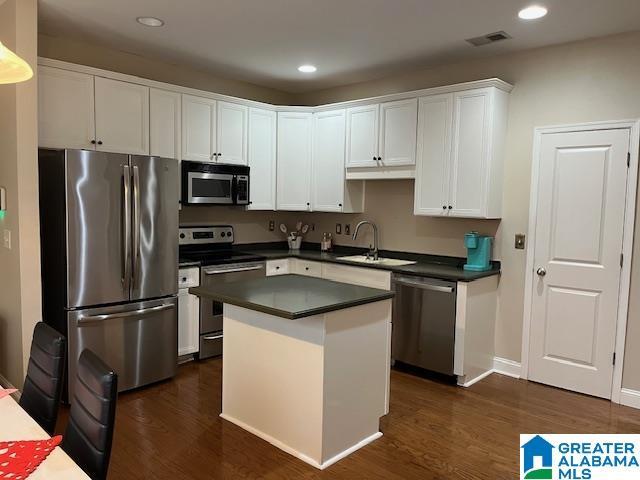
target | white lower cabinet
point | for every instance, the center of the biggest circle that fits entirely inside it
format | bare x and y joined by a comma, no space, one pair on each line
294,161
188,312
306,267
262,159
460,154
278,267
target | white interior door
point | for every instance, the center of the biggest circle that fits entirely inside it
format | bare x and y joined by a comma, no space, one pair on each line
328,161
578,243
122,117
232,133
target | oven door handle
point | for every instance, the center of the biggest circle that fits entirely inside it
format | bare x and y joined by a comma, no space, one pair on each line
233,270
212,337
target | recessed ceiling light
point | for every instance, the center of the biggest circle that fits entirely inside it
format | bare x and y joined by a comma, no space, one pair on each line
150,21
307,68
532,12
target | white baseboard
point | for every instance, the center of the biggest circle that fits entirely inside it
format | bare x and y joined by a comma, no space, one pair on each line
468,383
300,455
630,398
507,367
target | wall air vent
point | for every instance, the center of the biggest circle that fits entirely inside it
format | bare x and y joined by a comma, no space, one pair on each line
489,38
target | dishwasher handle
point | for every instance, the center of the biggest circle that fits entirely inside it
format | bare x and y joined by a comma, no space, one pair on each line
424,284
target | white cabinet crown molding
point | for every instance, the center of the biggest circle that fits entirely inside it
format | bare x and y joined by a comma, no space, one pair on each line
458,87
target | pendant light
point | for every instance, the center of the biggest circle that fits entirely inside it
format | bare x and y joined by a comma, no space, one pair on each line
13,69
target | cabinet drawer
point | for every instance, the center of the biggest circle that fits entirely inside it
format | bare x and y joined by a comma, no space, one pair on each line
366,277
210,345
278,267
305,267
188,277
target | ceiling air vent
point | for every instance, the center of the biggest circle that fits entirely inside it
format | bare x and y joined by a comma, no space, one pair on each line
489,38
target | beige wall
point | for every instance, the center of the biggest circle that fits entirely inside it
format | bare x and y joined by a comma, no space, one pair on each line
20,290
129,63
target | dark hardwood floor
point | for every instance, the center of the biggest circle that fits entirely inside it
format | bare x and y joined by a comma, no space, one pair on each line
434,431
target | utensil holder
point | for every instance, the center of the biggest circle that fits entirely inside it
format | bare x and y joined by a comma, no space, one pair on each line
294,244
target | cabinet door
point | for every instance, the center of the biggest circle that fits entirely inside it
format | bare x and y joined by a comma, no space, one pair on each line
232,133
262,159
398,127
470,153
327,179
435,115
198,128
65,109
188,322
165,123
122,117
294,160
306,267
362,136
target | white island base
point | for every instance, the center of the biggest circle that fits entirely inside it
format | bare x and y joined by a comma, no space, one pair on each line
314,387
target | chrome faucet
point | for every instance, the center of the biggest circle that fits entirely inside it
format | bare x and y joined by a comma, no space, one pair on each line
372,254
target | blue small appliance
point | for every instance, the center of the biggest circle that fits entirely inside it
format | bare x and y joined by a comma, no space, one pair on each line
478,252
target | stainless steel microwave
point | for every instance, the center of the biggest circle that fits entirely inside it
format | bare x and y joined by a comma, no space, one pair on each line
214,184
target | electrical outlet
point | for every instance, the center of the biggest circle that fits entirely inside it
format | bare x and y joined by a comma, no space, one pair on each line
7,239
312,227
338,228
347,229
519,241
272,225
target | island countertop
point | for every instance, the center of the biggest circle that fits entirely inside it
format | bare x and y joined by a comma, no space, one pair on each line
292,296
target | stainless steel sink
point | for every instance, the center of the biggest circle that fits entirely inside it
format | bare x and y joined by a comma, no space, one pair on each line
392,262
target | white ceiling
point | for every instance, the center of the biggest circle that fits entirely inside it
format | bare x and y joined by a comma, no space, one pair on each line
264,41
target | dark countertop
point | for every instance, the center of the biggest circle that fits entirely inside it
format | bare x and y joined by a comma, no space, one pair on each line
292,296
433,266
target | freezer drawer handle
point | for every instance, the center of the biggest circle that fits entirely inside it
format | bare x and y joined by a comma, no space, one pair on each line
212,337
233,270
130,313
424,286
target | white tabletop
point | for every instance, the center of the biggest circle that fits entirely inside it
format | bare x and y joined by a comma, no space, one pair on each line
16,424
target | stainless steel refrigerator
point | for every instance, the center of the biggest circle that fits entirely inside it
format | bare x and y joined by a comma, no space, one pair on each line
109,246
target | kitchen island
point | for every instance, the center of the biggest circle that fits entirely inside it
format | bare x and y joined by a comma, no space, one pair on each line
305,362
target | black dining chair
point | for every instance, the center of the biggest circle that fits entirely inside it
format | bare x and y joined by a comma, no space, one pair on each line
40,396
89,433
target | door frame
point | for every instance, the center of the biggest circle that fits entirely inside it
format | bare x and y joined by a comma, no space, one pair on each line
627,239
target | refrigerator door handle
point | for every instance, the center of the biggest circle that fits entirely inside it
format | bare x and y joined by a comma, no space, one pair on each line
129,313
126,233
136,224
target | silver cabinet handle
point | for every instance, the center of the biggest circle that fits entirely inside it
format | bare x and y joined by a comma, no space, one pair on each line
129,313
126,230
212,337
233,270
541,271
136,223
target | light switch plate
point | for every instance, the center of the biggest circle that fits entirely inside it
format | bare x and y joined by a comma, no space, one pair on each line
338,228
272,225
7,239
3,198
519,241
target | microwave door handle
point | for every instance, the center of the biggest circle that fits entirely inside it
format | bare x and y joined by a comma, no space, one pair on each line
126,228
234,189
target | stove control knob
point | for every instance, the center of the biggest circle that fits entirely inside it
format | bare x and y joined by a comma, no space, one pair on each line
182,235
228,234
222,234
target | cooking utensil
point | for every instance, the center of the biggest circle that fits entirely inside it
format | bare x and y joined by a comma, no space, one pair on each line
283,228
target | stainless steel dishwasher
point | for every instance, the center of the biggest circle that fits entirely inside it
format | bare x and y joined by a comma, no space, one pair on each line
424,322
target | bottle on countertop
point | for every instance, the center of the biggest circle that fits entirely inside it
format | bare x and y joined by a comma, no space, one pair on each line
327,242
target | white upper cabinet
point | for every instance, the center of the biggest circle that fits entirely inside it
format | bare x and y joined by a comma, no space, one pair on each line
165,128
461,146
122,116
232,133
294,160
362,136
198,128
66,117
434,155
328,161
262,159
398,123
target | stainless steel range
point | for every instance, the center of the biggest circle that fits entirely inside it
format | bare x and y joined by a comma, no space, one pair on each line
212,247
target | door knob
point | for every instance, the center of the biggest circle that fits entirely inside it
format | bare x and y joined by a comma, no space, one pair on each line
541,271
